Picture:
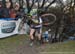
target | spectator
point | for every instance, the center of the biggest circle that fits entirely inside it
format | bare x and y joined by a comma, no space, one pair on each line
18,11
1,10
12,14
6,10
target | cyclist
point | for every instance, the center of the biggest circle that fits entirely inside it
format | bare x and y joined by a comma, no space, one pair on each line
35,25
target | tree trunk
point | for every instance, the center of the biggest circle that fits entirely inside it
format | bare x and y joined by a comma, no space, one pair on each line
4,1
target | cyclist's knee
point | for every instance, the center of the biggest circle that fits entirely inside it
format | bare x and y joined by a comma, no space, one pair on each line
32,32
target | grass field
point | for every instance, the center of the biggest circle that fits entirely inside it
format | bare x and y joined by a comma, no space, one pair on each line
18,44
59,48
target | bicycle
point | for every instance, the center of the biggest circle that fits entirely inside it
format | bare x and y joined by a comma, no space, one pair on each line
51,19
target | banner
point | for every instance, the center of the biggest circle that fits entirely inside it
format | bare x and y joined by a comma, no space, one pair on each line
10,27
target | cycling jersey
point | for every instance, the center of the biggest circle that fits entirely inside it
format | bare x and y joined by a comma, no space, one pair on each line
36,23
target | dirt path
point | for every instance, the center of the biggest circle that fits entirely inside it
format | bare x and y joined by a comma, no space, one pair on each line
20,50
26,50
16,47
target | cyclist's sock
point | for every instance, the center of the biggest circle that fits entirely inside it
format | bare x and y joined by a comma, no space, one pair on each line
40,42
31,40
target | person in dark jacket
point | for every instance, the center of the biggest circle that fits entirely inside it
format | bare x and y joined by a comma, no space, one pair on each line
1,10
18,11
6,10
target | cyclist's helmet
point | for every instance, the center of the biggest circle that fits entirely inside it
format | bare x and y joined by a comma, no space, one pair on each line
33,12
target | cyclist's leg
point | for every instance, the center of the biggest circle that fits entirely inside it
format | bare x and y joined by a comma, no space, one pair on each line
39,30
31,35
39,33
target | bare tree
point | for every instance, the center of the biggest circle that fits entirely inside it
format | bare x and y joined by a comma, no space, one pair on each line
50,4
29,6
3,1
